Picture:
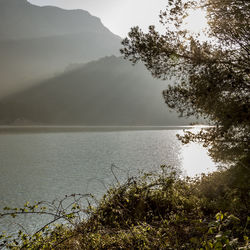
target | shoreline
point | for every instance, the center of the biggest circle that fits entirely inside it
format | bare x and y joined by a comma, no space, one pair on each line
56,128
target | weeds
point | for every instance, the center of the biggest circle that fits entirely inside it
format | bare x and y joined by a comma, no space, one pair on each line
153,211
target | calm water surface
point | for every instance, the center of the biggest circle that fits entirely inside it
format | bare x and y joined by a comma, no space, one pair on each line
45,166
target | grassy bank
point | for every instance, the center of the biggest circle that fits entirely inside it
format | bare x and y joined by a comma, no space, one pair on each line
154,211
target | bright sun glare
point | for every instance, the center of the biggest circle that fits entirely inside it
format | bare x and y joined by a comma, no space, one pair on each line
195,158
196,21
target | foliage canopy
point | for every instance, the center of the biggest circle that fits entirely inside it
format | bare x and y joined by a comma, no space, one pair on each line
211,77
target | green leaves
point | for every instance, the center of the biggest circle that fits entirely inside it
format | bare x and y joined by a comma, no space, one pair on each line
154,211
68,210
219,216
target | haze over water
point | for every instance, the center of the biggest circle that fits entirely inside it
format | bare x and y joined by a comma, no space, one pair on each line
43,166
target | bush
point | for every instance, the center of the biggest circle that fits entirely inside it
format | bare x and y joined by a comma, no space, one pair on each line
155,211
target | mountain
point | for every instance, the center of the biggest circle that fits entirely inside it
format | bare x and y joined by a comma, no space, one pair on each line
19,19
38,42
109,91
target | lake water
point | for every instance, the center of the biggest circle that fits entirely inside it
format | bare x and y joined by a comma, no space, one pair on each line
47,165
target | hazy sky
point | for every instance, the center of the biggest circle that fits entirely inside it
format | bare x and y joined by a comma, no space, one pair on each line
117,15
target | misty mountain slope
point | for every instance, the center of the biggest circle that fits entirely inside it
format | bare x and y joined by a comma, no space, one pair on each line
19,19
39,42
25,61
105,92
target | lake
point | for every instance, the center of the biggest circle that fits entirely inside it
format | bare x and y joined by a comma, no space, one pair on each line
44,164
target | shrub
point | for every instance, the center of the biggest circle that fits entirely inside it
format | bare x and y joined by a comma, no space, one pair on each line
153,211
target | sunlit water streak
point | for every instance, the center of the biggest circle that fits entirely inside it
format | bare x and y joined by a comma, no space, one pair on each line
45,166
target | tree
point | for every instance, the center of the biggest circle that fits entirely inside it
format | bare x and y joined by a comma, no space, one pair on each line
211,78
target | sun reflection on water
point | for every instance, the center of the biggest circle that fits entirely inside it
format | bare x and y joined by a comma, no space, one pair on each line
195,158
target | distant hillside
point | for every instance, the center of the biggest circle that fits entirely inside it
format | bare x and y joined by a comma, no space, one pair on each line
19,19
39,42
105,92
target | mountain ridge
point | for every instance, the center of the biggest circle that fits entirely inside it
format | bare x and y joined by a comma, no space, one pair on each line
31,21
106,92
39,42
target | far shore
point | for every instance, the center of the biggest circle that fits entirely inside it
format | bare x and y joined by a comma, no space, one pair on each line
70,128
